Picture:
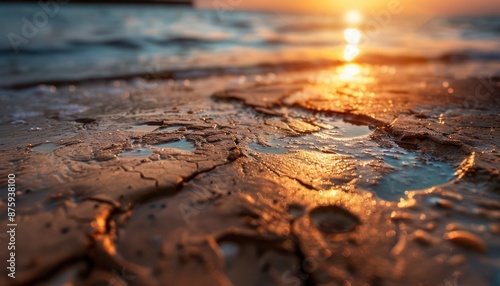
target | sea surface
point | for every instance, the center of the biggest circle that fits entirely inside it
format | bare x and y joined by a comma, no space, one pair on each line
78,42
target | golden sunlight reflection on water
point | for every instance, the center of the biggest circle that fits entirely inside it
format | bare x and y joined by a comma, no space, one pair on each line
349,72
350,52
352,73
352,36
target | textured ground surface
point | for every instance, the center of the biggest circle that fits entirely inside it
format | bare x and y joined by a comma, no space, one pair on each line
345,176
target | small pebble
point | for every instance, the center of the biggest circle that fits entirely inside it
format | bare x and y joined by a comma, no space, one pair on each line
467,239
441,203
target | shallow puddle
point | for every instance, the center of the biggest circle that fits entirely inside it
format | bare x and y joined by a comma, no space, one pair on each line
333,130
413,172
267,149
136,152
345,130
142,128
146,151
183,144
386,172
170,128
45,148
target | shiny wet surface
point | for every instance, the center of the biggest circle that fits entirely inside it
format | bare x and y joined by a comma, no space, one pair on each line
259,182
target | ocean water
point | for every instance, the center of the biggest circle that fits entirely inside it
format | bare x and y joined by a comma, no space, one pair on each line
77,42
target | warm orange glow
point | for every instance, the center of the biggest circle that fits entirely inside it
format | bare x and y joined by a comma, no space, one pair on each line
99,224
423,7
100,233
349,72
353,17
107,244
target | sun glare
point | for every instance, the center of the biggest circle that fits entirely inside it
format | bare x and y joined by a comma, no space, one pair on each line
352,36
353,17
350,52
349,72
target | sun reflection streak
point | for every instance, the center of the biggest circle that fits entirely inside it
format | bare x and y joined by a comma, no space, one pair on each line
349,72
352,36
350,52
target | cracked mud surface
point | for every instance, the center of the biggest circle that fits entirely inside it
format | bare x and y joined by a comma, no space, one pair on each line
374,180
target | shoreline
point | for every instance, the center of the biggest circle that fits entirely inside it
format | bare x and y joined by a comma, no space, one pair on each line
154,74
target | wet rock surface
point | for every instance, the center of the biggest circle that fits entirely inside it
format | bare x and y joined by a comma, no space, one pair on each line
289,182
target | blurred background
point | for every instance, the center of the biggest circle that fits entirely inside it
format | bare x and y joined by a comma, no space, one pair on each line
445,7
59,41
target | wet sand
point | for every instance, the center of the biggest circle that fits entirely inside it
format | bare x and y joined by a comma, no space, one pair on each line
352,175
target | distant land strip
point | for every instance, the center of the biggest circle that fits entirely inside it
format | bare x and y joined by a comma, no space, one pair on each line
162,2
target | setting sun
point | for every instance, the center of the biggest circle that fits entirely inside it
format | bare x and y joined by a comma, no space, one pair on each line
353,17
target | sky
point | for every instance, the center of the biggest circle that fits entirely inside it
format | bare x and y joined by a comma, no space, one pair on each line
435,7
